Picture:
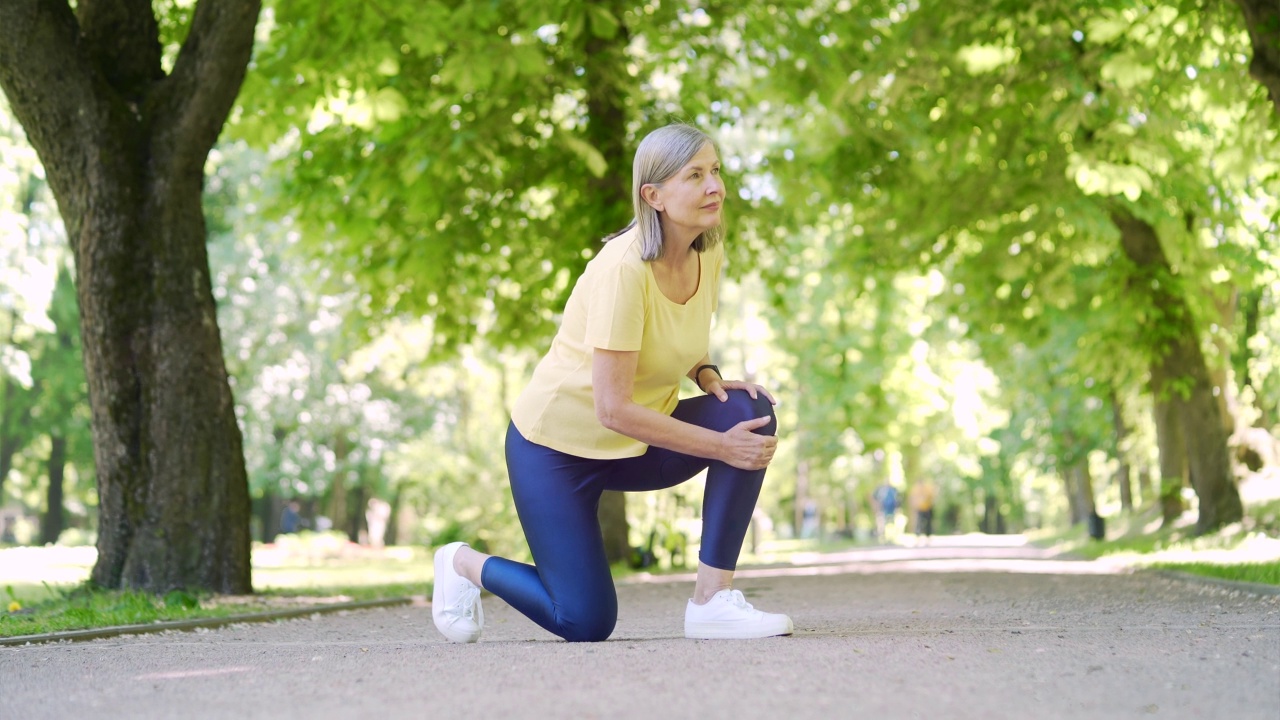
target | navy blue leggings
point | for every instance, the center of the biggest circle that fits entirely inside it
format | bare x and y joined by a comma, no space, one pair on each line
569,590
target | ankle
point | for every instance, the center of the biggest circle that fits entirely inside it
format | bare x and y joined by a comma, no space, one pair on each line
468,562
702,596
459,566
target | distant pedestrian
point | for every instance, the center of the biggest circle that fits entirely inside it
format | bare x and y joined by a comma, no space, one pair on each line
922,498
885,502
290,518
376,516
603,412
809,521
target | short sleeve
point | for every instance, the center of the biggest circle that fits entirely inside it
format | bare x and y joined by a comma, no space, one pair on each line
717,272
615,309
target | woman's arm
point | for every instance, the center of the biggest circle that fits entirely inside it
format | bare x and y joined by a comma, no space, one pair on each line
613,379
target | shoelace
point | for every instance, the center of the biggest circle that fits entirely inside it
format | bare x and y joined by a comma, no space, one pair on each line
466,606
736,599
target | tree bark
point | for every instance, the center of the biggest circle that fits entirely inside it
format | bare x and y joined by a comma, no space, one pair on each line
1084,485
1221,374
338,505
1122,472
52,524
1173,460
1069,482
1262,18
1079,485
1144,485
1180,376
124,146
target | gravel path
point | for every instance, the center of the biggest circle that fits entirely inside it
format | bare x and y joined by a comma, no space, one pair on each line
956,630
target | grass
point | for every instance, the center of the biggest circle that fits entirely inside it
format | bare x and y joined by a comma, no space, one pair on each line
1265,573
299,572
1247,551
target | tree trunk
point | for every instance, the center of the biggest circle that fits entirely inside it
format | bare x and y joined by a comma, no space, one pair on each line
124,146
52,524
393,520
8,448
1221,374
1262,18
992,519
1173,460
357,524
609,86
1252,312
1069,481
1126,488
1145,493
270,506
1180,375
338,510
802,496
1084,485
1079,485
1122,446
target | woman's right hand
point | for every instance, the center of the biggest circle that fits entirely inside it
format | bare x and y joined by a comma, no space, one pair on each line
746,450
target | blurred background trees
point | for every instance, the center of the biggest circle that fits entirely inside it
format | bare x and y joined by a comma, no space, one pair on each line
1027,250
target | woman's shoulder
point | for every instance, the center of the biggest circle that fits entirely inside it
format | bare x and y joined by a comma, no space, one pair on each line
715,252
622,252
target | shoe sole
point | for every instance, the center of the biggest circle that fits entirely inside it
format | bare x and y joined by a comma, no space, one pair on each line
725,633
443,564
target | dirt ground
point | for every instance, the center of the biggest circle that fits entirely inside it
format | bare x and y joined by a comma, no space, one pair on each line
961,629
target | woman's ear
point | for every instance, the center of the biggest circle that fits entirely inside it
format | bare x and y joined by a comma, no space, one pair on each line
650,193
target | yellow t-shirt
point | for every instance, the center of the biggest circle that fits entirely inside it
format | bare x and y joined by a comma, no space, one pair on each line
922,495
617,305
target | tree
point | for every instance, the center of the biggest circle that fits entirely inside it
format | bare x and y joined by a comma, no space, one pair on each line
1262,18
123,124
60,412
1041,122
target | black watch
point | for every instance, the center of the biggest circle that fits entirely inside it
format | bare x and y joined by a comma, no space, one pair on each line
698,373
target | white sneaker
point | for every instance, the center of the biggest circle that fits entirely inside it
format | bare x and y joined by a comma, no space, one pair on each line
455,600
728,616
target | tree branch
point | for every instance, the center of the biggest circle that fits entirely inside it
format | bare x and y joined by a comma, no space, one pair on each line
123,39
192,107
45,73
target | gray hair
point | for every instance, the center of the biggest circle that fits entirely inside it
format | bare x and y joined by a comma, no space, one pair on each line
660,156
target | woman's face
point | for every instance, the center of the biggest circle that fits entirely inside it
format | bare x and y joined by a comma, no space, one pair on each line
693,198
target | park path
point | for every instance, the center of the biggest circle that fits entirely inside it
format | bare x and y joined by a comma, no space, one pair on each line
961,629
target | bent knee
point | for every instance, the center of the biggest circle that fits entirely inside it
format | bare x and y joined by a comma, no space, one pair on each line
593,629
744,407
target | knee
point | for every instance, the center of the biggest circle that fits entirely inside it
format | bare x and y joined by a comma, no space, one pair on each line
744,407
596,627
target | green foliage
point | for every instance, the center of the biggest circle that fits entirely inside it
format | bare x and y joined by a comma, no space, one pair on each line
449,171
1266,573
316,416
922,208
42,386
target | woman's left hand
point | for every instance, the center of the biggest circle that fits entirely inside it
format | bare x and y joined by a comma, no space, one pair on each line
720,388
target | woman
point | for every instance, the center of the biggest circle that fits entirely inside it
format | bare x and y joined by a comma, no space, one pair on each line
602,412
